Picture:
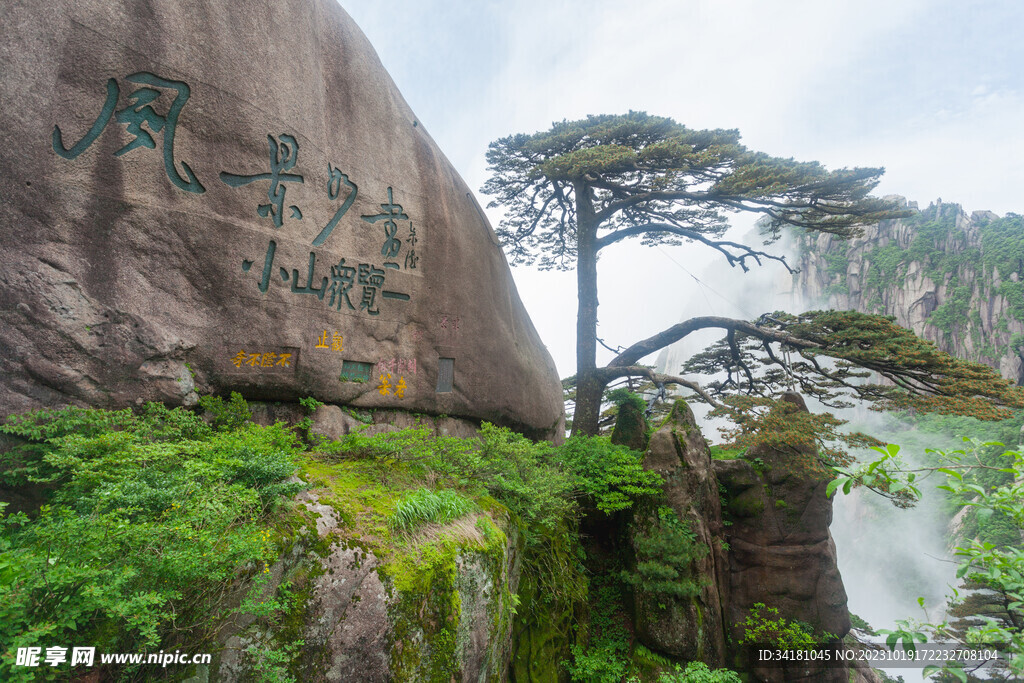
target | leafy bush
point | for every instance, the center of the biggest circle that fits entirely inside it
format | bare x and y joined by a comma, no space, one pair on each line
540,486
151,517
722,452
999,571
227,415
764,626
425,506
698,672
605,663
613,475
148,517
604,658
539,483
310,404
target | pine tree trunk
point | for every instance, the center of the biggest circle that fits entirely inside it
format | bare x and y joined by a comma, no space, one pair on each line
588,405
588,388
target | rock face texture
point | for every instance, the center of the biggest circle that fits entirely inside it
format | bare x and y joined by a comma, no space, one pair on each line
781,552
953,278
201,197
691,629
765,524
358,624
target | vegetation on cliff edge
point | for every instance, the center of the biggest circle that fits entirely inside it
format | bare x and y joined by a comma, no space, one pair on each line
150,526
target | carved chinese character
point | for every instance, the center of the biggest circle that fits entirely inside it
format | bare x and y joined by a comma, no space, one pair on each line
370,278
411,259
307,288
268,266
342,279
390,212
135,116
334,182
284,153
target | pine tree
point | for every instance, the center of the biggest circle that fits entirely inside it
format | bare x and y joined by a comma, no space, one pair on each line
582,186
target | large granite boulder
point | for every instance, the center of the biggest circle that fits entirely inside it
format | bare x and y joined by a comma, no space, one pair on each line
210,196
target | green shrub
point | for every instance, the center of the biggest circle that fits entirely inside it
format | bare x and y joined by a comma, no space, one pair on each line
613,475
149,516
725,453
538,483
698,672
152,517
763,626
310,404
989,571
605,663
603,656
226,415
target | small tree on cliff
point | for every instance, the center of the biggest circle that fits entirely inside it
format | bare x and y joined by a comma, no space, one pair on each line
577,189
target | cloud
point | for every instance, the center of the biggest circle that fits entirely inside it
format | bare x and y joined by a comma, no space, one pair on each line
927,89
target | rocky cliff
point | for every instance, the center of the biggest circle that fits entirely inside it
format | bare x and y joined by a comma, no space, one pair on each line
950,277
763,521
438,605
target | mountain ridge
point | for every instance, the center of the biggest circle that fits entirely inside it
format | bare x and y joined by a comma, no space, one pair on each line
952,278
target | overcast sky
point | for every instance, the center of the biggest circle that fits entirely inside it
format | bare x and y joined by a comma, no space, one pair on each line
933,90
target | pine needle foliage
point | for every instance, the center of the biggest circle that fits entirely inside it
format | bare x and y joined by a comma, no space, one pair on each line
666,552
655,177
813,442
835,353
582,186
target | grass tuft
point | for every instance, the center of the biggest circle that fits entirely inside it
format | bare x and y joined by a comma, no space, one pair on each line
429,507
